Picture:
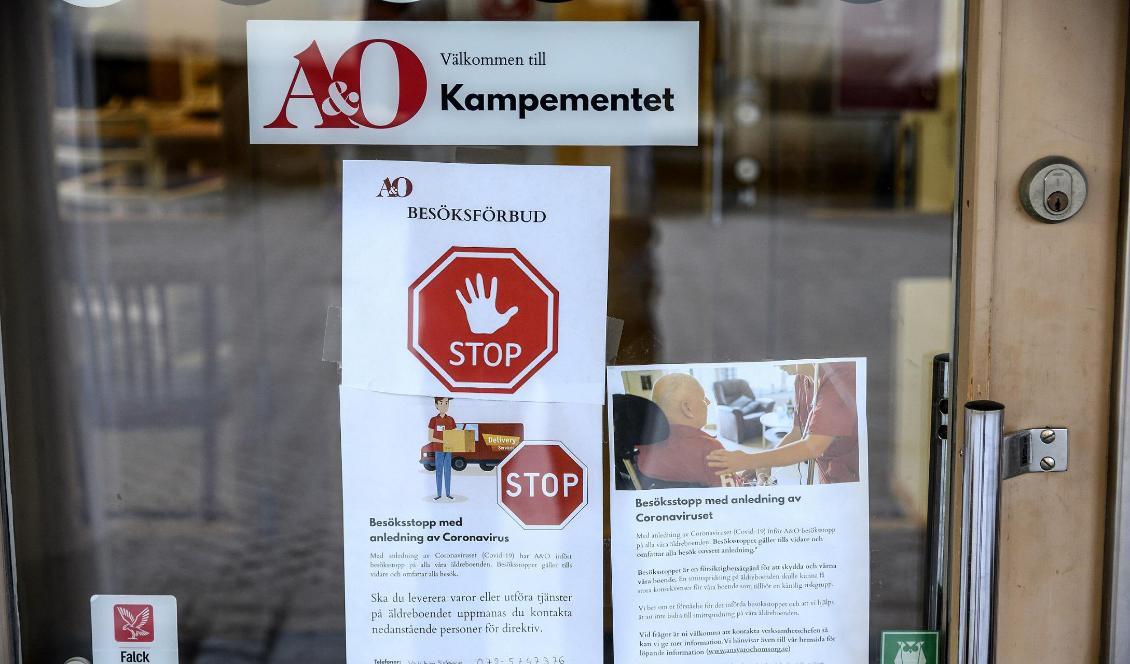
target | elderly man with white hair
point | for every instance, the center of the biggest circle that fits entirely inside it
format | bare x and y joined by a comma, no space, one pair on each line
682,457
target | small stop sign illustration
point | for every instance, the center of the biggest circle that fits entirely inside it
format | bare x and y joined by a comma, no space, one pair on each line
542,485
482,319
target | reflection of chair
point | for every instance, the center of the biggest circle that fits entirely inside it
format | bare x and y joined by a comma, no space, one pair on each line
636,422
132,164
142,370
739,410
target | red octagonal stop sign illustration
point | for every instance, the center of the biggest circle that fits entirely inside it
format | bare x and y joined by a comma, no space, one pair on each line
542,485
482,319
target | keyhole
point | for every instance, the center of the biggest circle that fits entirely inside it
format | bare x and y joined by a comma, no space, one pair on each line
1057,202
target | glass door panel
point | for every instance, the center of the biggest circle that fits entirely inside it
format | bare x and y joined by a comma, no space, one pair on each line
192,448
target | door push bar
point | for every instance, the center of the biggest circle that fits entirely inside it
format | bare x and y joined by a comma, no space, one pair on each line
991,456
938,506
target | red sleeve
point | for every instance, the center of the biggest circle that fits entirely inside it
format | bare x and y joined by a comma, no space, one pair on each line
432,423
800,403
710,476
834,410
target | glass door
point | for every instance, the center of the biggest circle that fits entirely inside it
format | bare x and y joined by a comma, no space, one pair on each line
172,426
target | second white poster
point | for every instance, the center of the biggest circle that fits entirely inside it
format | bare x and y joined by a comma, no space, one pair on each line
740,512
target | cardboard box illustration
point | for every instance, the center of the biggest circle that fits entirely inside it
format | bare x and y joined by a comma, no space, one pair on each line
458,440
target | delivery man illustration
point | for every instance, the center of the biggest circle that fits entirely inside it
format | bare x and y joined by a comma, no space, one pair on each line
436,426
825,427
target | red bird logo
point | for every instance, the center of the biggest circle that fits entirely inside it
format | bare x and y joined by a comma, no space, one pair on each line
135,625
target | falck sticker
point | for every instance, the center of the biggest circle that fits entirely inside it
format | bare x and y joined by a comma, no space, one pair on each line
134,628
483,280
473,83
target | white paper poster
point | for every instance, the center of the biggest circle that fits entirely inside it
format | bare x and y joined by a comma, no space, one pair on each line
739,508
473,332
508,567
473,83
471,279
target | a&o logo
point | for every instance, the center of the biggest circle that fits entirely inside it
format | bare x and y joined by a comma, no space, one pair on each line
400,187
338,94
133,623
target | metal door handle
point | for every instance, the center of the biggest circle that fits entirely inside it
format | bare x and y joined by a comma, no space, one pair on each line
989,458
980,519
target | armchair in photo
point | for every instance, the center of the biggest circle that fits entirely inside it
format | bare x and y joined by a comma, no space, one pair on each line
739,410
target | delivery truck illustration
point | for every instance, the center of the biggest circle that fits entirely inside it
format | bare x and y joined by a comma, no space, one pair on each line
486,444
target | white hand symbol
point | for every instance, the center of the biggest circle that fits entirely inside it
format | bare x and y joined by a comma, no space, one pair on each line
483,316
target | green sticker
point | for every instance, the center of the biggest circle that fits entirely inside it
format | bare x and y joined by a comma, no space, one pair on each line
909,648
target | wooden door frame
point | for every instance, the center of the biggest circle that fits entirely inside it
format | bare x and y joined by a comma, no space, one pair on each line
1036,307
35,401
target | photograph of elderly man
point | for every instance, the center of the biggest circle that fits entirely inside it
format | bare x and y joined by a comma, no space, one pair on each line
682,457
